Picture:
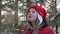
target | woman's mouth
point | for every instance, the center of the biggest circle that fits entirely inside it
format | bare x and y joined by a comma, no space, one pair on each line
30,17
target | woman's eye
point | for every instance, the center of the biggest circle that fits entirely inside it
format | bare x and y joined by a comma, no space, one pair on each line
33,11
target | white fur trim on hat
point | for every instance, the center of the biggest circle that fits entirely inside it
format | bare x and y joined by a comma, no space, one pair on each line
40,18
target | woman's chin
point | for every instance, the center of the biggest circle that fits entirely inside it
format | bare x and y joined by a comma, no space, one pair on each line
31,20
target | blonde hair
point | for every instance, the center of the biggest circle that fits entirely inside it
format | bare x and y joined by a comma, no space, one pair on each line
36,29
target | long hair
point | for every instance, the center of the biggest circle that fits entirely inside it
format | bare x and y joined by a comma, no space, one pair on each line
30,26
42,25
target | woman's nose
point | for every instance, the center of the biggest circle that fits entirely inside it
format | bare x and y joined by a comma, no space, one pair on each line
30,13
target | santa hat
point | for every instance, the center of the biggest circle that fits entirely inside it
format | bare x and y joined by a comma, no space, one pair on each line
41,12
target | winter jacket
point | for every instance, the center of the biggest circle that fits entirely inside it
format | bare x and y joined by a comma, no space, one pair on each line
43,30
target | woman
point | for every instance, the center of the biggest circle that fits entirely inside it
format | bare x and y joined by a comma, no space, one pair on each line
36,19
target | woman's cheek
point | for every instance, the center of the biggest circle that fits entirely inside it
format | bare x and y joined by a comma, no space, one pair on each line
34,17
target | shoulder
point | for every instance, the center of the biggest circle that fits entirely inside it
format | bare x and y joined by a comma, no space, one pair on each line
46,30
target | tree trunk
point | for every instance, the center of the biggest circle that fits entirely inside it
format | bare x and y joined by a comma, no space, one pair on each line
16,17
56,18
0,14
16,14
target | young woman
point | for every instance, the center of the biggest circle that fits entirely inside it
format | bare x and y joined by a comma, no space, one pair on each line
36,19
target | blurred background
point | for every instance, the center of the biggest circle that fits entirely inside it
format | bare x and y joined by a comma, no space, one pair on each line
13,14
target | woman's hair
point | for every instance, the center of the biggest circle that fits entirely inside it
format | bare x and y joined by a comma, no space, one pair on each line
31,29
42,25
30,23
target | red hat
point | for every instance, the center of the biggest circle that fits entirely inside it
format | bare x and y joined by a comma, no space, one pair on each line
40,10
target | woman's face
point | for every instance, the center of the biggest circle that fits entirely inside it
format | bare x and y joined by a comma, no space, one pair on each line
32,15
